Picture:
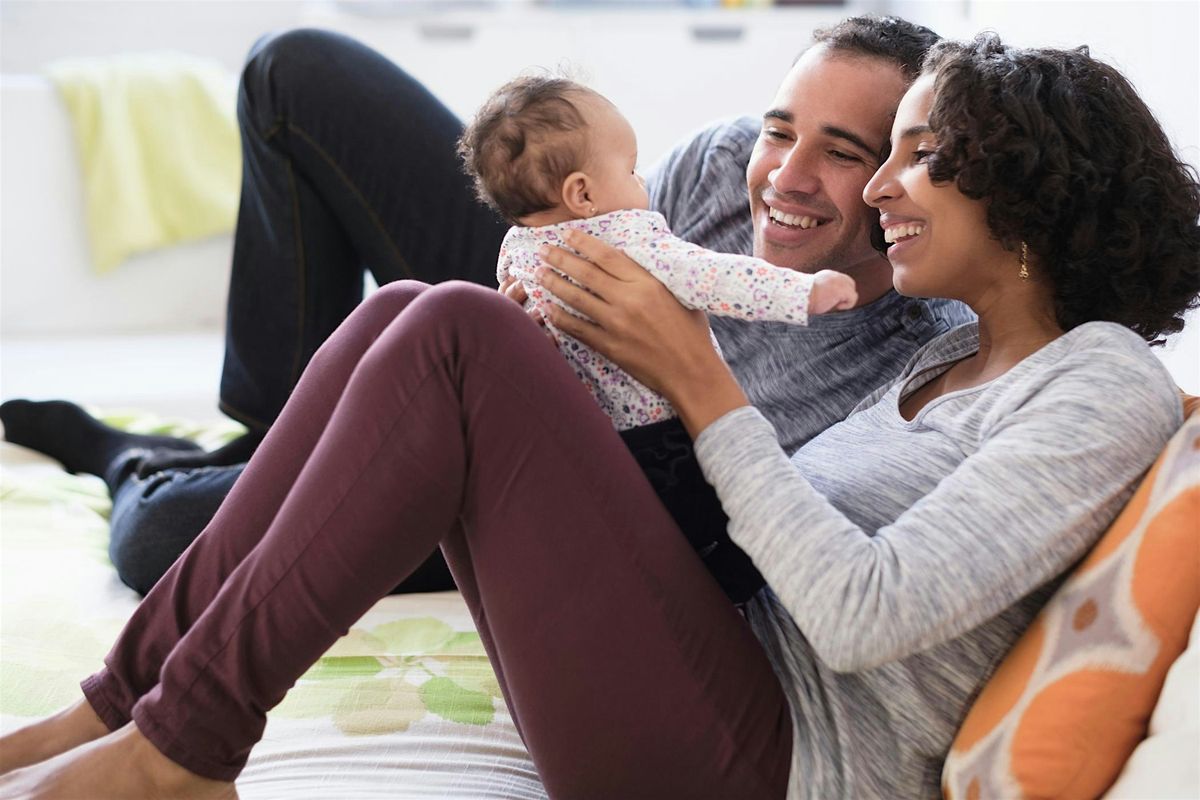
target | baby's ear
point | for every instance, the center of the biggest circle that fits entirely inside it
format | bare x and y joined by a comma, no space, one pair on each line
576,195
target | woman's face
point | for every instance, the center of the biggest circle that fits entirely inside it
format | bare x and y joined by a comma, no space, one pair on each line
940,242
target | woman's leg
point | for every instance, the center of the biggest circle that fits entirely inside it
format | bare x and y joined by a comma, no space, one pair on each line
133,667
628,671
154,520
349,163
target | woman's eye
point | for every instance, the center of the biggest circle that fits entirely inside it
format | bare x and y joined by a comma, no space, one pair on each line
921,155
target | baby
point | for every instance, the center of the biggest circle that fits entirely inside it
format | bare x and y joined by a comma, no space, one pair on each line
551,155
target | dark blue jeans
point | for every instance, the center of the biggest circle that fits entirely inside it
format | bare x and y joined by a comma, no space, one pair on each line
348,164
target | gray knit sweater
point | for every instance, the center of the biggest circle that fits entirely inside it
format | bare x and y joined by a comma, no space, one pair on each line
904,558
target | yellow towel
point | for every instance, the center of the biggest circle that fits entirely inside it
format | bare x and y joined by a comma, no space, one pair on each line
159,149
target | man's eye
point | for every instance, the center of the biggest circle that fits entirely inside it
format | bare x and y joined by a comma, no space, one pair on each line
840,156
774,133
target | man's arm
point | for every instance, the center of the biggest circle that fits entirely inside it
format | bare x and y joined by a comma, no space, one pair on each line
700,186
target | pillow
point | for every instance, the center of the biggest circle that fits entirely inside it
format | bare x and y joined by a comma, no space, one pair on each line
1072,700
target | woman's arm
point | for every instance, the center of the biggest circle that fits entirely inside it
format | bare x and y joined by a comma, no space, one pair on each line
638,323
1049,475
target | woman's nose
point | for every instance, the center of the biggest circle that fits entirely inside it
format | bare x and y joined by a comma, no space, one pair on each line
881,187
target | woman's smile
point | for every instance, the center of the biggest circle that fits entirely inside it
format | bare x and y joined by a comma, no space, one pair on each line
901,234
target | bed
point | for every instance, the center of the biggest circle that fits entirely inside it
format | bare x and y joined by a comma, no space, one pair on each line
404,706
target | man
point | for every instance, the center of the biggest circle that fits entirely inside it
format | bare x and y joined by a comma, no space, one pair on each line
350,163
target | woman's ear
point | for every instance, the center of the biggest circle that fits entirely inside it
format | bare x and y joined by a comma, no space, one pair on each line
577,195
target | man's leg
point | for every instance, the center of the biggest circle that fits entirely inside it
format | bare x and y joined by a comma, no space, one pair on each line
349,164
628,671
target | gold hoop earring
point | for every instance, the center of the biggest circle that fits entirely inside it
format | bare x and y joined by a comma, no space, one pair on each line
1023,274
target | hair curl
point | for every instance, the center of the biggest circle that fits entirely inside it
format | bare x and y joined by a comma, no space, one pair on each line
1070,161
523,142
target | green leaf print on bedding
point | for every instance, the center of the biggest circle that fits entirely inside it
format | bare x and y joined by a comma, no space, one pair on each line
381,680
40,664
451,701
210,435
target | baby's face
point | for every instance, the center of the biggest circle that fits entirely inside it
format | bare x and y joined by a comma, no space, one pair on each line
612,159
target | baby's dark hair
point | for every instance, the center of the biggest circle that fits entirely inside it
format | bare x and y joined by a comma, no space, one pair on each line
1071,161
524,141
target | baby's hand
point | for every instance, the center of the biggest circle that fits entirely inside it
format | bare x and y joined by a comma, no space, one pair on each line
511,288
831,291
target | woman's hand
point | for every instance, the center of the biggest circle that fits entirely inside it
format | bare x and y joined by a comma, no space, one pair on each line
636,322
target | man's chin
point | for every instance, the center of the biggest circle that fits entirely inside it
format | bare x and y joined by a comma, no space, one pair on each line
802,258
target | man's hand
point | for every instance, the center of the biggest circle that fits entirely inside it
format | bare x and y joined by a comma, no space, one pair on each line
635,321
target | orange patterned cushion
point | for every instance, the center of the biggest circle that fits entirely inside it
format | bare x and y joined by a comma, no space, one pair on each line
1073,698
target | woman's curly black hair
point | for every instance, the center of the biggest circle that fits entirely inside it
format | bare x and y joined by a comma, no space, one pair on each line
1071,161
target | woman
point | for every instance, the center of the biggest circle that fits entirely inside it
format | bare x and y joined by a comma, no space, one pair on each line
906,547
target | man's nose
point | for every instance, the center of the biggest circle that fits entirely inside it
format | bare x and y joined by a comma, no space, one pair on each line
796,173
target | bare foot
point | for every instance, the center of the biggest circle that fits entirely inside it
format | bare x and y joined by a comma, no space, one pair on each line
71,727
122,765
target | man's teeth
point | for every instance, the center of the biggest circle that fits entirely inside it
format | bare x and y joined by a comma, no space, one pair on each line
897,232
793,220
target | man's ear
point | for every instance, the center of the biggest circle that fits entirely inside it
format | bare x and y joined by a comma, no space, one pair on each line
576,195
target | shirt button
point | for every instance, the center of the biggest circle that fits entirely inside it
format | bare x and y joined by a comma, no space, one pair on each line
913,312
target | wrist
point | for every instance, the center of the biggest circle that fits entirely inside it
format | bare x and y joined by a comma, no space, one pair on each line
705,394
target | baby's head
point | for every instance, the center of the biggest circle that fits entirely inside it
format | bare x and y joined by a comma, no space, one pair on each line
544,150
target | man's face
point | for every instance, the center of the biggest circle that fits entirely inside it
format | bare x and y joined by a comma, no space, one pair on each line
820,144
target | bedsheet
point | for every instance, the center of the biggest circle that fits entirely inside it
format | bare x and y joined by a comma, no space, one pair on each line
404,706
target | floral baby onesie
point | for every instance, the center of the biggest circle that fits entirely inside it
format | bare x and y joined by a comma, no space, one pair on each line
718,283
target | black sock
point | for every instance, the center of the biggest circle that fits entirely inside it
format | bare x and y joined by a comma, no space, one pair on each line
67,433
236,452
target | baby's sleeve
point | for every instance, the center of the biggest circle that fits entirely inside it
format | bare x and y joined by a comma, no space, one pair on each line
502,262
725,284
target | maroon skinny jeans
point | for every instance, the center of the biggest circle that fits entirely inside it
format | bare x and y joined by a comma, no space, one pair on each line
443,415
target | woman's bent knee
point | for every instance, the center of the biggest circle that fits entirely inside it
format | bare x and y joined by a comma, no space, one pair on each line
471,304
395,296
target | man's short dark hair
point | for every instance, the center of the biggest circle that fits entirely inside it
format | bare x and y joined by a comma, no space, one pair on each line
892,39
